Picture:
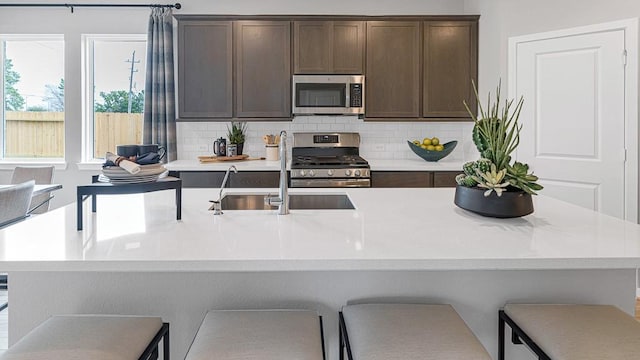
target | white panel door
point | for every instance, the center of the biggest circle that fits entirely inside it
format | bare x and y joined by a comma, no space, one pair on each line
573,133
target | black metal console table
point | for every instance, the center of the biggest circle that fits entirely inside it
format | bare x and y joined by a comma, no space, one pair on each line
98,188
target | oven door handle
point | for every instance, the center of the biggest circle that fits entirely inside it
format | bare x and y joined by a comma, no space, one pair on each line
306,183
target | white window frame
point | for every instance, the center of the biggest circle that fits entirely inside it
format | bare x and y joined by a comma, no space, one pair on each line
88,41
10,163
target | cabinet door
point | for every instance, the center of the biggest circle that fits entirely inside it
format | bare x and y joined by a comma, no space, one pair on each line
205,69
311,47
263,65
393,69
450,64
255,179
347,52
328,47
445,178
385,179
201,179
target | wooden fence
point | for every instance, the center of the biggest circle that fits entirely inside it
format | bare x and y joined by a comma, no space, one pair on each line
41,133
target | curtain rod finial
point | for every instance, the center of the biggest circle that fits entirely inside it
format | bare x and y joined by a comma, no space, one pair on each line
177,6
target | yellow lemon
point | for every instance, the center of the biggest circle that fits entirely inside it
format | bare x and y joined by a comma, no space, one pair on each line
416,142
435,141
426,141
431,147
439,147
423,146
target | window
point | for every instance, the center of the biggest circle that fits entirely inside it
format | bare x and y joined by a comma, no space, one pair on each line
32,92
113,77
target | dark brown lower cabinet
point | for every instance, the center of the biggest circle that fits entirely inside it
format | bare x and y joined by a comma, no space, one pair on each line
445,178
213,179
255,179
271,179
199,179
382,179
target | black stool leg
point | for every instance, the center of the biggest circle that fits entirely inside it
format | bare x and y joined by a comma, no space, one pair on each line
344,339
500,336
165,343
340,339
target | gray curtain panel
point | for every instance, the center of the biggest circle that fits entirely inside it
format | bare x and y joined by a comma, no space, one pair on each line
159,91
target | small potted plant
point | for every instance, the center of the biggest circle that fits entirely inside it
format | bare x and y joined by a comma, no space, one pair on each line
494,185
237,134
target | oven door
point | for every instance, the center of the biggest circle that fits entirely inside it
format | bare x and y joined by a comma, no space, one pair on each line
330,183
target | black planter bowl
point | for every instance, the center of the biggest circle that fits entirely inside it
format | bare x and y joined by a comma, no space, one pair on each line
431,155
512,203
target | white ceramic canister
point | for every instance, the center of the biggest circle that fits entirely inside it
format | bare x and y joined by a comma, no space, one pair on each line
272,153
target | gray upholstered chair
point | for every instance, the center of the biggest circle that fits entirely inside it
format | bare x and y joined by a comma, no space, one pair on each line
43,175
570,331
93,337
14,202
407,332
259,334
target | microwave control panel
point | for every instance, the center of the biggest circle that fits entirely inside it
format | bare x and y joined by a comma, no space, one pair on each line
355,95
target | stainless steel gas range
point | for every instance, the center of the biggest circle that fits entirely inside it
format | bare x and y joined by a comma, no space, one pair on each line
328,160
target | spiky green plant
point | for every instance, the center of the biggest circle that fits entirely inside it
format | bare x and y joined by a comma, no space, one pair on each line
496,134
237,132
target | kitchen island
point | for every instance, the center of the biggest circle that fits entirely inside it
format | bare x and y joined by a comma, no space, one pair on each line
411,244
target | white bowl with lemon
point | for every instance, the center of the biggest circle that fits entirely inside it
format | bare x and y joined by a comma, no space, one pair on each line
430,149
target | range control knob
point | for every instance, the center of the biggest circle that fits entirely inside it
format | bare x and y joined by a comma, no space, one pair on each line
357,172
311,173
330,172
347,172
302,173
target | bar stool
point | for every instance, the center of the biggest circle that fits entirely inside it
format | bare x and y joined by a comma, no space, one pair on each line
101,337
259,334
568,332
407,332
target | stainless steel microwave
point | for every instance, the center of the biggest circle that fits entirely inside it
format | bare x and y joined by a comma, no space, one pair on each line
328,94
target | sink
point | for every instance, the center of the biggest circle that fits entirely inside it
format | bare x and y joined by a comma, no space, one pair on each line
296,202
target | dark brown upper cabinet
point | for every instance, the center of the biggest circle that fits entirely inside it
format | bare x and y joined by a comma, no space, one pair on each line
393,69
263,69
205,69
328,47
450,63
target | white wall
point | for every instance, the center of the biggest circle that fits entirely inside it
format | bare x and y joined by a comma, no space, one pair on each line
134,20
501,19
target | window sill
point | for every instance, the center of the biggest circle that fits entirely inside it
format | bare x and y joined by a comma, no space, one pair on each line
10,164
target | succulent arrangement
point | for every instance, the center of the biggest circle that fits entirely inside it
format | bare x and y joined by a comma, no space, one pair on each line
496,134
237,132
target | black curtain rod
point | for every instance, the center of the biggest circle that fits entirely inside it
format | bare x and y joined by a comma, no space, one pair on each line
71,6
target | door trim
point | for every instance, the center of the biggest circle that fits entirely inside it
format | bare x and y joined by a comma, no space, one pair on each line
631,134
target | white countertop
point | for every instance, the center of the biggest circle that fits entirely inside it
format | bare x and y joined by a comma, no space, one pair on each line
391,229
263,165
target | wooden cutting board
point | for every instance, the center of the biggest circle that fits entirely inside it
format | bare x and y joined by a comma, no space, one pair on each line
213,158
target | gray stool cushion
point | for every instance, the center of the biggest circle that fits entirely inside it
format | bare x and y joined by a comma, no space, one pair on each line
258,335
82,337
410,331
579,332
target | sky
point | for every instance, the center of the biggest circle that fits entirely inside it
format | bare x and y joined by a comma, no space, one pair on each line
112,69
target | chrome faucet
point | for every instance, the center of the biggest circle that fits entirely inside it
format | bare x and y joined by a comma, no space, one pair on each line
217,205
283,193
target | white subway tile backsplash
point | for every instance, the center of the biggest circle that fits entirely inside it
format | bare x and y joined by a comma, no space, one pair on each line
379,140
